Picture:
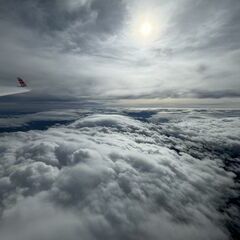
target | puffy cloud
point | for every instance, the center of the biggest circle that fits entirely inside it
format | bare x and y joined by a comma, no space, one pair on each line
34,177
110,176
109,121
201,130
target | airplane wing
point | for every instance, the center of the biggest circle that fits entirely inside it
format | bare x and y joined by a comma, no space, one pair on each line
6,91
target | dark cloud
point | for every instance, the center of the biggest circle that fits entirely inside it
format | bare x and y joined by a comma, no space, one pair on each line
217,94
43,15
49,17
40,15
110,176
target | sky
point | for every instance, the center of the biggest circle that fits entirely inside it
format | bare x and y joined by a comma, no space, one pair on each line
142,52
111,138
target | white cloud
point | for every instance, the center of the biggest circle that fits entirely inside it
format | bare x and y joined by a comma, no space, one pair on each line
113,177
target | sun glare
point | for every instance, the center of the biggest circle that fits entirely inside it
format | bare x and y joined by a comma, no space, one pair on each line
144,28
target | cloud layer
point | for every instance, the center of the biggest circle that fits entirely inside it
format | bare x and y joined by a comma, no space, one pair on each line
84,48
111,176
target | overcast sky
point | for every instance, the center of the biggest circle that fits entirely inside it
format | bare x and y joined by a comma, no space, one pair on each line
119,49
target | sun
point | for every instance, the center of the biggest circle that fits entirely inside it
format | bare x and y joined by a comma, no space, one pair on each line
146,29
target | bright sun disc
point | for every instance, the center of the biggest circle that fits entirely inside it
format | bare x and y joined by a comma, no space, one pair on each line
145,29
